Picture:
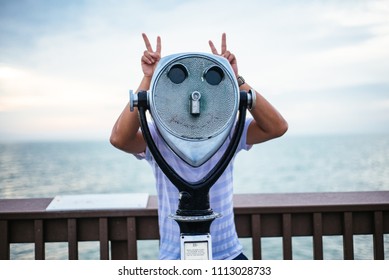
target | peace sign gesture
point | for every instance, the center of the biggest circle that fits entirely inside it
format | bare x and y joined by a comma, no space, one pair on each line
150,58
225,53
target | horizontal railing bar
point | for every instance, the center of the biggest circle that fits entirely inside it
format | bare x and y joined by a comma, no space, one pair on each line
276,203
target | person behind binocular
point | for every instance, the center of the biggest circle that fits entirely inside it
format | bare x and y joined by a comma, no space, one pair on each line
265,123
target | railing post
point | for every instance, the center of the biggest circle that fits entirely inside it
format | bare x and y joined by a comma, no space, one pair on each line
287,236
378,237
39,240
119,250
4,240
256,236
348,244
72,239
103,237
131,239
317,236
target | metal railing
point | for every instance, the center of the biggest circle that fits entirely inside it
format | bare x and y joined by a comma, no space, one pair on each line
257,216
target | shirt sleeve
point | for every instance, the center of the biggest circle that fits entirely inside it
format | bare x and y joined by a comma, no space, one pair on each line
140,156
243,140
147,154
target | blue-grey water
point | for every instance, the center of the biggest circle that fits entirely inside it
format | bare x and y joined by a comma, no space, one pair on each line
289,164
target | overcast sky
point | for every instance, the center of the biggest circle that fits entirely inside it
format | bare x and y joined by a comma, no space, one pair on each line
66,66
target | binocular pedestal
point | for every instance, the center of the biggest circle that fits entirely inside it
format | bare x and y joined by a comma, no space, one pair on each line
195,237
194,223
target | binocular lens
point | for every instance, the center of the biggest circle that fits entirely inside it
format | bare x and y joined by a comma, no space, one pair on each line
214,75
178,73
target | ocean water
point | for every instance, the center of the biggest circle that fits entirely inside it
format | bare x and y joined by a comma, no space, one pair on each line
288,164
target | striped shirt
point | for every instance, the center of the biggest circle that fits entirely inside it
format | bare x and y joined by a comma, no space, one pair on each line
225,243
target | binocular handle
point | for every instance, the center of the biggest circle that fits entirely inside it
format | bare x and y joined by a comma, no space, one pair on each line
251,99
206,183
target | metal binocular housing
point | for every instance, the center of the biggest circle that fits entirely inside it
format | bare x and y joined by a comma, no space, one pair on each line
195,103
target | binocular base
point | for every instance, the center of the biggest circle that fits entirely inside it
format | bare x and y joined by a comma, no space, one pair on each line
196,247
194,219
195,239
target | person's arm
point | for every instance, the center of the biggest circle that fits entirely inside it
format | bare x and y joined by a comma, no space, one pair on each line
125,134
268,122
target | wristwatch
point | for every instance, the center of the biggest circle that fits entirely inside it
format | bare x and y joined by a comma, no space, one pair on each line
241,81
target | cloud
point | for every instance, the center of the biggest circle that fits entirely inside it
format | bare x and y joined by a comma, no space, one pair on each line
80,58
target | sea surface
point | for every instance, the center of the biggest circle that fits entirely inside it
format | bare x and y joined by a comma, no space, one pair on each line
332,163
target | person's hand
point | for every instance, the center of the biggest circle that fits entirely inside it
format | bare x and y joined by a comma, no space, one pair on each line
225,53
150,58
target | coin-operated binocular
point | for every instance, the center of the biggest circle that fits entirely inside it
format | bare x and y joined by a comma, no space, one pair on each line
194,101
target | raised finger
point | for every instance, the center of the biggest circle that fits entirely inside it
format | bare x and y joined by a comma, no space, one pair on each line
159,46
213,49
147,42
224,43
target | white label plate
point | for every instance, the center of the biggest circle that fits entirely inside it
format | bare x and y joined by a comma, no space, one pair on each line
98,201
